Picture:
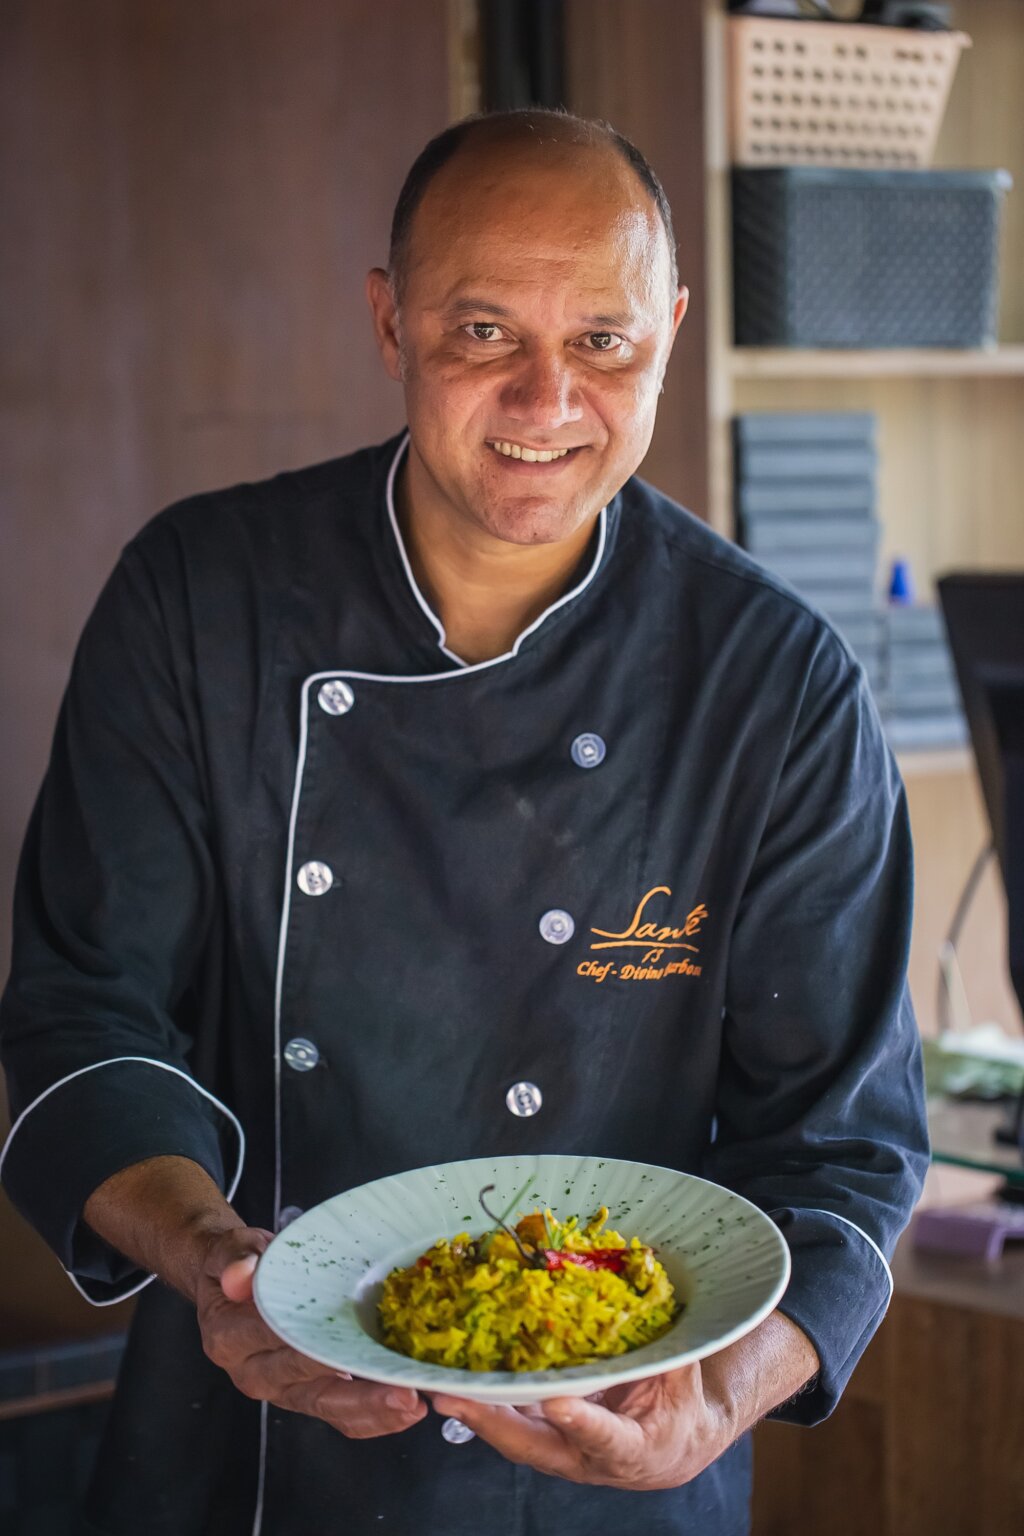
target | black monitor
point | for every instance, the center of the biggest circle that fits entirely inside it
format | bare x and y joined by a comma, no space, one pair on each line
985,621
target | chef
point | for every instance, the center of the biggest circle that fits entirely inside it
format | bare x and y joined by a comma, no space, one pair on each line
461,796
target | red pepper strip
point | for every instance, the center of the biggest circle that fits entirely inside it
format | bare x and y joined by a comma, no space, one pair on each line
597,1258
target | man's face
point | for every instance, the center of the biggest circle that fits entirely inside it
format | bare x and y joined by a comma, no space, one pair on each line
536,318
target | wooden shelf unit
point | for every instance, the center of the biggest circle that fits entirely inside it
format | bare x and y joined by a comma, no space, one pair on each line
897,362
949,419
951,447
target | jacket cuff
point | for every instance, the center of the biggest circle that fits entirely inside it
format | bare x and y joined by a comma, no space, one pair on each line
89,1126
838,1293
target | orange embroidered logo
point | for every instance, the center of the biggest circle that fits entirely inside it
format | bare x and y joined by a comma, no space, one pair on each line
651,940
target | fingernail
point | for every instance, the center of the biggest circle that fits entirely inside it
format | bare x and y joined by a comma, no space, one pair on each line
400,1401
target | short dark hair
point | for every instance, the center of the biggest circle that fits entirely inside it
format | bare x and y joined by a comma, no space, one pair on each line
513,124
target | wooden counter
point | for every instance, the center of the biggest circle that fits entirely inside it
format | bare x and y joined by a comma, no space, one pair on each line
929,1437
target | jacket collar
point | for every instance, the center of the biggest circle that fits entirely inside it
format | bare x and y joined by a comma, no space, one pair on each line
594,561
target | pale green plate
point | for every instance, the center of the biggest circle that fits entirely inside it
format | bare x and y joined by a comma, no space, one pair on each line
317,1284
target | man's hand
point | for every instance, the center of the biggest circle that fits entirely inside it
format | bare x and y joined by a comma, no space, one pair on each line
169,1217
657,1433
236,1338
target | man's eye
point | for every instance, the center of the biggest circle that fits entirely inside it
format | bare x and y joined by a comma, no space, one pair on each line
483,330
604,341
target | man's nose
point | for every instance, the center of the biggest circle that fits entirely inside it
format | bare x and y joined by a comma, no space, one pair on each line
542,392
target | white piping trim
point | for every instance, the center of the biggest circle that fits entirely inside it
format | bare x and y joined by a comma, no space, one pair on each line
257,1519
465,670
432,616
114,1061
403,554
282,938
869,1240
111,1301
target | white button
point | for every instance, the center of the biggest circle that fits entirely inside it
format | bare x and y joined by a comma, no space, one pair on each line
524,1099
457,1433
557,927
588,750
287,1216
335,697
301,1055
315,878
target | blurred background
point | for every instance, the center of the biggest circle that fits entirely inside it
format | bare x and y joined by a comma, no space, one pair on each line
191,196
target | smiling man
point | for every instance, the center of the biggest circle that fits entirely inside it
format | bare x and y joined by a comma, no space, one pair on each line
363,777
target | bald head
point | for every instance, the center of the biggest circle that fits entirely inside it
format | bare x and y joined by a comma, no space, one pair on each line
478,149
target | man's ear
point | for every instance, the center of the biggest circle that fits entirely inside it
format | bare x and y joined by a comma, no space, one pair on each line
679,309
384,312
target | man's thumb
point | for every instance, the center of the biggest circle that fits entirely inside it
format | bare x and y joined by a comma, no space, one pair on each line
232,1263
236,1277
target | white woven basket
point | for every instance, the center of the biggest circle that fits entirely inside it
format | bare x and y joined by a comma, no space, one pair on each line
828,93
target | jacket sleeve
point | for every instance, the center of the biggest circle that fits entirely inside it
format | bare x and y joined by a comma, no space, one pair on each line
820,1113
114,898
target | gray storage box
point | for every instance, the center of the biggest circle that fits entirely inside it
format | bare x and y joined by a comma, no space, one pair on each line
852,258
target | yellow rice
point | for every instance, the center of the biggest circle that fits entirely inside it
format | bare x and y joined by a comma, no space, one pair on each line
476,1304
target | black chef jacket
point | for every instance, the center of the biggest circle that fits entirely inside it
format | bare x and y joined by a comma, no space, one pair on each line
304,896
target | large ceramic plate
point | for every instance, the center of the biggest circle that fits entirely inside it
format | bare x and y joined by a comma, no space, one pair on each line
317,1284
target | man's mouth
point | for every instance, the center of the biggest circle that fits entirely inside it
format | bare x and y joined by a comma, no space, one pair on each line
511,450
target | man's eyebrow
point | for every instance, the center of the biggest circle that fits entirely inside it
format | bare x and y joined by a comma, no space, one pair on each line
471,303
475,305
620,322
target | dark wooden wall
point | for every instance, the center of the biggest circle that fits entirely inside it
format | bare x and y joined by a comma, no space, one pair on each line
191,195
